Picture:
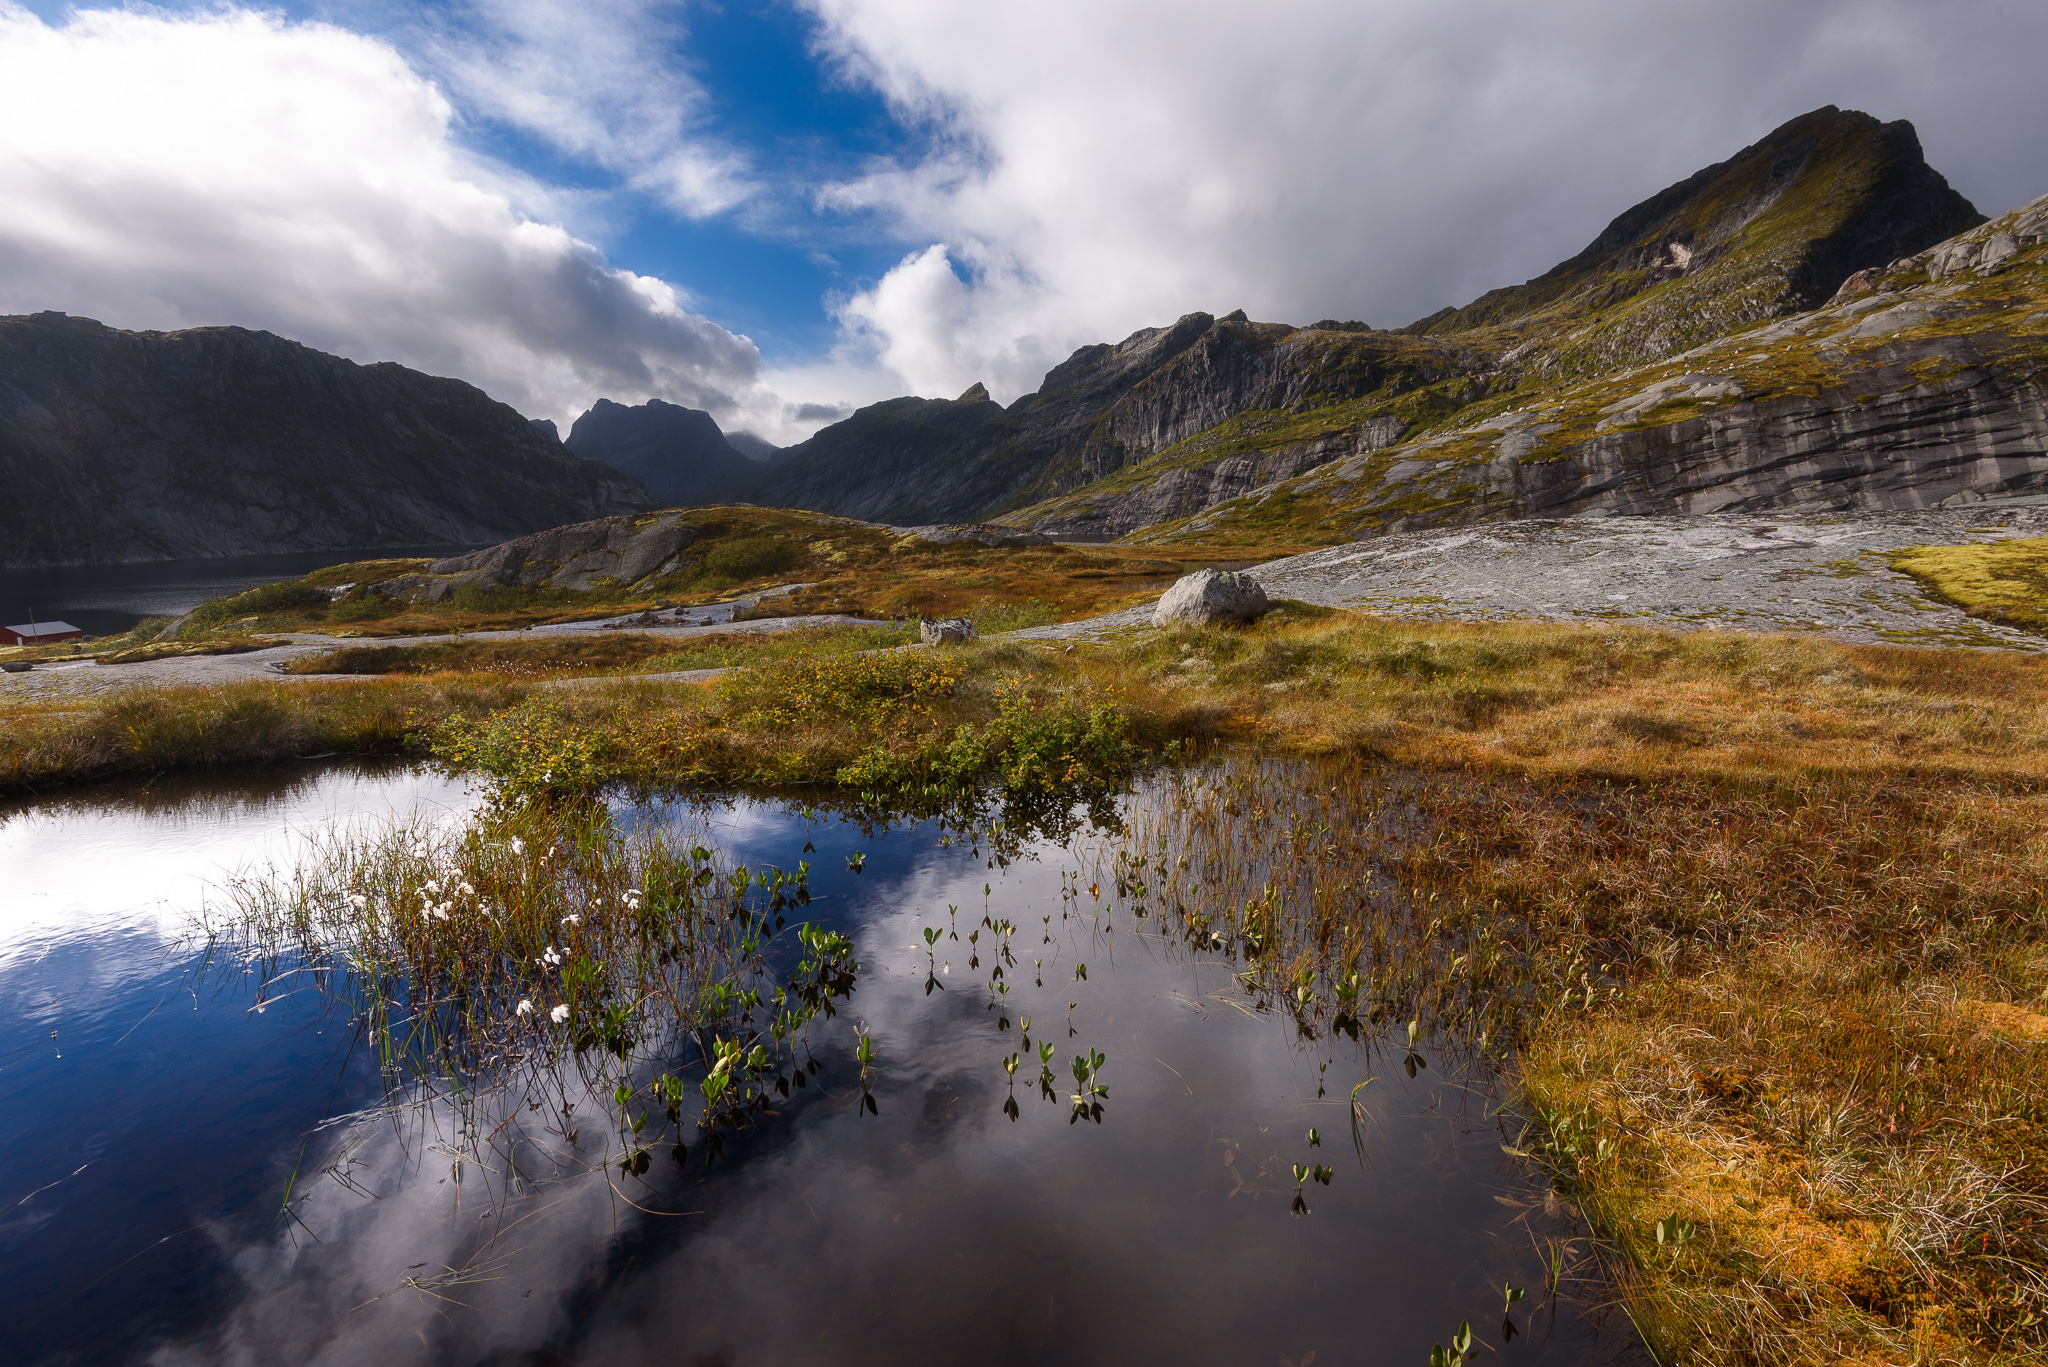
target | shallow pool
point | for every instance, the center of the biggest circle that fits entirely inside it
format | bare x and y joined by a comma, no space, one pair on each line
160,1125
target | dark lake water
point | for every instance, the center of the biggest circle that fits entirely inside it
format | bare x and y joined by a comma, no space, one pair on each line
157,1120
106,599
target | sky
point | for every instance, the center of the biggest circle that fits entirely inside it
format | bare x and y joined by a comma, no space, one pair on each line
778,210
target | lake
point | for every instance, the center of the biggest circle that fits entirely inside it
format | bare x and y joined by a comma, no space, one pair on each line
203,1166
105,600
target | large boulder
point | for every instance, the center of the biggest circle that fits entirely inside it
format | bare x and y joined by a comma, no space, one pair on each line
1212,596
946,631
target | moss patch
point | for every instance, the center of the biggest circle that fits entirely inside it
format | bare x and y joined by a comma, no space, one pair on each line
2000,581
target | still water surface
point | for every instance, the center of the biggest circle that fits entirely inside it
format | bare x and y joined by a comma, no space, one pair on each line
157,1121
103,600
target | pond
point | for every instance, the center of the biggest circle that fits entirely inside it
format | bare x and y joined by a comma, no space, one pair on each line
205,1164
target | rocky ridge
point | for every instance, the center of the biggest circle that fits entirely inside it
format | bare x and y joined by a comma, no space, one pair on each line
1769,233
125,446
1922,384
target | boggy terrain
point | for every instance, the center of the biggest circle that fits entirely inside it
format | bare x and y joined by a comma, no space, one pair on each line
1750,913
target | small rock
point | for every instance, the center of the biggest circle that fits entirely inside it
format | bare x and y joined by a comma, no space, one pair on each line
1212,596
946,631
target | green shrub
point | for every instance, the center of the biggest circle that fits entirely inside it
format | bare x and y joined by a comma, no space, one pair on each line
749,557
290,595
367,608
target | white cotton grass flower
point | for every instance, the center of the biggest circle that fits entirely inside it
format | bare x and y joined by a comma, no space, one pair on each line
518,845
419,850
468,891
559,1014
525,1007
572,920
358,901
550,958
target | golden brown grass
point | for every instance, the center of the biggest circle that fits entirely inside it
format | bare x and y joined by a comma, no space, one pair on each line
1538,699
147,731
1763,914
1791,1019
542,657
855,568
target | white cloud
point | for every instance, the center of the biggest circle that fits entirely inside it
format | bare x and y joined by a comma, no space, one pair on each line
599,82
229,166
1107,165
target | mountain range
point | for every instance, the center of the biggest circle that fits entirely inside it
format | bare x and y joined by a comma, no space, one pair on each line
1175,420
220,441
1819,321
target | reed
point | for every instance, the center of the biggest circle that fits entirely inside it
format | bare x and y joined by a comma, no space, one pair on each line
543,958
1776,1041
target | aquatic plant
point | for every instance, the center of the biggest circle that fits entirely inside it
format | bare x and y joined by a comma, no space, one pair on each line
543,958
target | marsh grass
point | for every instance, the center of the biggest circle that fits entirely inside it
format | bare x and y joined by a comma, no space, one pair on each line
545,657
147,731
1542,700
1778,1041
557,989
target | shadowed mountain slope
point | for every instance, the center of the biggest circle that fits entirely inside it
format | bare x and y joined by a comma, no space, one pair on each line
221,441
678,453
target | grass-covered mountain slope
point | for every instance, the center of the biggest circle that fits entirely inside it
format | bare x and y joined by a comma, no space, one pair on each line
1921,384
221,441
1772,231
788,563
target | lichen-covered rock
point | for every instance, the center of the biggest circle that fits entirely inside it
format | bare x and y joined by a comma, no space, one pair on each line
625,550
945,631
980,533
1212,596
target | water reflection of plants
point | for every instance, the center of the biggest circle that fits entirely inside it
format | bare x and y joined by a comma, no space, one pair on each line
547,960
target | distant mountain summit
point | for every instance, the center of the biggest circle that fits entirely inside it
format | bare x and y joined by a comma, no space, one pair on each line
1773,230
1174,420
678,453
118,446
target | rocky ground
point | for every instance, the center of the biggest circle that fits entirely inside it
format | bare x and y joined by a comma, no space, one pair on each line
86,679
1824,573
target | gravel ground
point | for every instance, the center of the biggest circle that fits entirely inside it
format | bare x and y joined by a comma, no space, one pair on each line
1823,573
88,680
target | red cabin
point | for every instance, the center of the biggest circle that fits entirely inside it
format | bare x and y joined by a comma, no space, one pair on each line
39,634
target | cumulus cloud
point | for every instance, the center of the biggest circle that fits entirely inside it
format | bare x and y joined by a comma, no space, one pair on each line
1098,167
166,171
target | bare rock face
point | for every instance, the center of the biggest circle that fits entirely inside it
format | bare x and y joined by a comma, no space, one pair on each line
1212,596
612,550
945,631
980,533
